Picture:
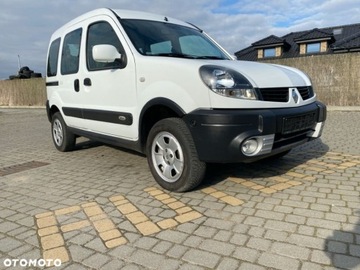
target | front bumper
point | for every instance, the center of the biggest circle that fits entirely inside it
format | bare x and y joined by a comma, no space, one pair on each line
219,135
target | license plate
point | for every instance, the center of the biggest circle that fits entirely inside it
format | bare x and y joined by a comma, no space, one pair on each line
298,123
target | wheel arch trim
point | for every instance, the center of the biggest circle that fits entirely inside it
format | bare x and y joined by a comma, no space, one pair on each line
160,101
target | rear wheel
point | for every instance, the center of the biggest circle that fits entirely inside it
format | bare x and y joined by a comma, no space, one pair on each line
172,156
63,139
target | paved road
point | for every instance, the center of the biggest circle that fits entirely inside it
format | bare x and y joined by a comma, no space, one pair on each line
99,208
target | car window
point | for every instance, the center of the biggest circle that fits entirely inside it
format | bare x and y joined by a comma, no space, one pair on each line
103,33
71,52
161,47
153,38
197,46
53,58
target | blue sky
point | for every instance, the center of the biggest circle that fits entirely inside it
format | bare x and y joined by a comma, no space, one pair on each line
26,26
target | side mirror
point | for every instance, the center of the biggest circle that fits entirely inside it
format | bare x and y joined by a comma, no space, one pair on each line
105,53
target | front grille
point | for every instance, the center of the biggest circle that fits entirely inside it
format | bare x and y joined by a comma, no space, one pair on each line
298,123
306,92
274,94
282,94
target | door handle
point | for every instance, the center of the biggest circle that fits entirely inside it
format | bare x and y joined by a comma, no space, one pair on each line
77,85
87,82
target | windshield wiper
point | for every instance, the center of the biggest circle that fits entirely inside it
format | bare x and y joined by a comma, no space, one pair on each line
210,57
179,55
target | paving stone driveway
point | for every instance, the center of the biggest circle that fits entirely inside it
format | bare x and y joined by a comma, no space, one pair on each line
99,208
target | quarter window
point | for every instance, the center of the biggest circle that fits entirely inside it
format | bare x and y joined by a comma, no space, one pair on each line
53,58
71,52
103,33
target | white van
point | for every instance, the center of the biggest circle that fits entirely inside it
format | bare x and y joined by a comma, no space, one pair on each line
164,88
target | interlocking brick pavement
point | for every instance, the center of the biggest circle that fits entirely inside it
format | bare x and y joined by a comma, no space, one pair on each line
99,208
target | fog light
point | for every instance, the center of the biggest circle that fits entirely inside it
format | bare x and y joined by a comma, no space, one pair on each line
249,147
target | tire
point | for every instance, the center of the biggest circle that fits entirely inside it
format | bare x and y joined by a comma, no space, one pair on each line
172,156
26,74
35,75
63,139
23,76
25,68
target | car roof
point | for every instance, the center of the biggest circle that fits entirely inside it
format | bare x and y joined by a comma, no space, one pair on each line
132,14
122,14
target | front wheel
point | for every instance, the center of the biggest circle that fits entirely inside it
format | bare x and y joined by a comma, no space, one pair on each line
63,139
172,156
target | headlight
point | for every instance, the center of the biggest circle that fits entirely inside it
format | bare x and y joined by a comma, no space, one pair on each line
227,82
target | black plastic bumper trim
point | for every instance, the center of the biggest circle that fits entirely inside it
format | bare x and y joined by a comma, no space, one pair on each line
219,133
55,83
121,118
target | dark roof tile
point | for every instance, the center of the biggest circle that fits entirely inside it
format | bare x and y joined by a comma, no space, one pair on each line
314,34
268,41
344,37
350,42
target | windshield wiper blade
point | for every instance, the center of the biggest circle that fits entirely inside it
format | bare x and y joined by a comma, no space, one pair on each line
210,57
180,55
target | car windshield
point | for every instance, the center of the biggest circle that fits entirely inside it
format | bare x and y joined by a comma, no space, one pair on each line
154,38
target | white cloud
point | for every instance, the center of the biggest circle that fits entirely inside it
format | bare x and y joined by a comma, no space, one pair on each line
26,26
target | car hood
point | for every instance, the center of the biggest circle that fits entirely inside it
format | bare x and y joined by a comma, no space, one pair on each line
266,75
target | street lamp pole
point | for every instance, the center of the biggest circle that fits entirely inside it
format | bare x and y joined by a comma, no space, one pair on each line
19,63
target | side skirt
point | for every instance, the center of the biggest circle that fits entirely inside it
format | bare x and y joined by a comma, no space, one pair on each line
131,145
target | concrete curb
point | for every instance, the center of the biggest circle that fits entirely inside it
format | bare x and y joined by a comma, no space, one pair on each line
22,107
344,108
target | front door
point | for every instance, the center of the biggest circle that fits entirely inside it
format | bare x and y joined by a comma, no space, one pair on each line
108,90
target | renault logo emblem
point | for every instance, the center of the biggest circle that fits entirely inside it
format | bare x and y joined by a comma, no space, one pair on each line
295,96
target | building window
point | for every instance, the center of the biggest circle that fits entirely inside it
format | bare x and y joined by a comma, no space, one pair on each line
270,52
313,47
